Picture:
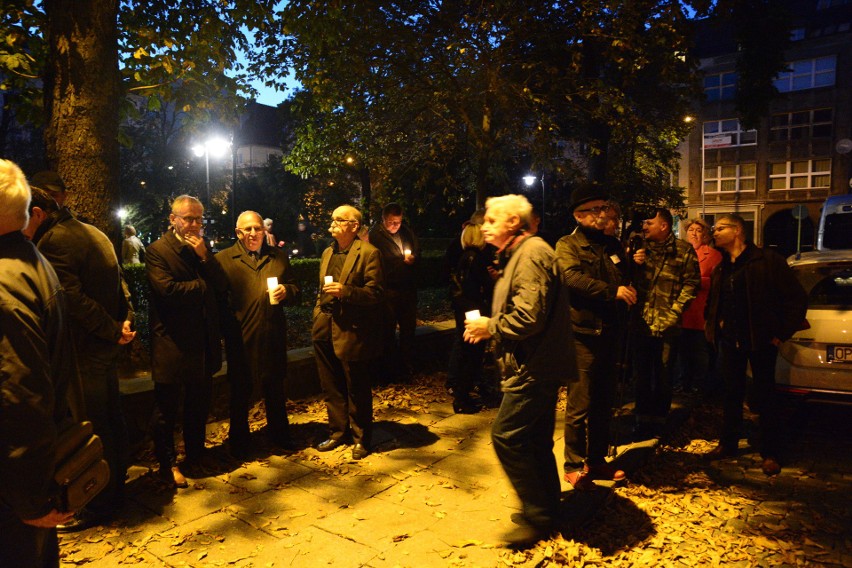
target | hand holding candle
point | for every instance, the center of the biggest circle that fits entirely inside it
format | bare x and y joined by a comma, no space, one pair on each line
271,285
406,254
475,327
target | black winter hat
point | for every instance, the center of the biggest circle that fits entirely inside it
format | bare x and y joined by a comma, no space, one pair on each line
49,181
585,193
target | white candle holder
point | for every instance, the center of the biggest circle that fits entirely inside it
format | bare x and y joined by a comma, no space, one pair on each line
271,285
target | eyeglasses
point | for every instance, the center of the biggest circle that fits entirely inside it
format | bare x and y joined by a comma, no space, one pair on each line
718,228
596,210
189,219
250,230
337,221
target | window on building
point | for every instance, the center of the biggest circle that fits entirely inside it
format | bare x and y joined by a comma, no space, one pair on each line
800,174
728,132
807,74
730,178
720,86
800,125
797,34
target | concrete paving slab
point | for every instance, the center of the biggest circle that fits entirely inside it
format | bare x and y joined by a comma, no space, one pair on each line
215,539
282,512
269,473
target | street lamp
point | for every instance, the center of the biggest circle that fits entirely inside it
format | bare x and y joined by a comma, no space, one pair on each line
529,180
215,147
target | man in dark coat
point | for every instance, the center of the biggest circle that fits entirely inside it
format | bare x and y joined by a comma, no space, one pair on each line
346,332
255,330
37,366
184,276
755,303
400,254
534,348
591,264
100,316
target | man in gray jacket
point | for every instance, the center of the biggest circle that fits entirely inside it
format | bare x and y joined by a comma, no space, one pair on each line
534,349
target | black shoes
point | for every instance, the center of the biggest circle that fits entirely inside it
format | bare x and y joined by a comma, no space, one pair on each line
359,452
465,406
330,444
81,521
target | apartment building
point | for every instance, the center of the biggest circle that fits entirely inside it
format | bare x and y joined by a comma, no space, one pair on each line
800,152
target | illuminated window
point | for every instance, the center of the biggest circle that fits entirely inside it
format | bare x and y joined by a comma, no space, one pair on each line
800,174
730,178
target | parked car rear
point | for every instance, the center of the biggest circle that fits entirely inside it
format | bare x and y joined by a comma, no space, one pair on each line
817,362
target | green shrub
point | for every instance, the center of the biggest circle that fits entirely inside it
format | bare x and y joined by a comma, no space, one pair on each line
431,274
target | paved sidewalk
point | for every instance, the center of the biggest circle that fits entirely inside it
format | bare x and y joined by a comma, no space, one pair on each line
434,494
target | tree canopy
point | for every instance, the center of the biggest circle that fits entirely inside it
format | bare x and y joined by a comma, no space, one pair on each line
462,98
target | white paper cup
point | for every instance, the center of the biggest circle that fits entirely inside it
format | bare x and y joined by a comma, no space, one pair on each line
328,279
472,315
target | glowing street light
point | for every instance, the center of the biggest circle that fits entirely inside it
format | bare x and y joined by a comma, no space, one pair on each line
216,147
529,180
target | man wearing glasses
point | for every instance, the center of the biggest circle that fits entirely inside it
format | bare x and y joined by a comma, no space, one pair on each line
255,330
667,280
592,264
755,304
347,332
184,276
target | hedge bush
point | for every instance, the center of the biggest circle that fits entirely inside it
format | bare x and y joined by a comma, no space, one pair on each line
431,273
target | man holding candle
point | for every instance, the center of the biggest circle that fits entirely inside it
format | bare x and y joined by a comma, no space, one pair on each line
400,252
346,335
534,350
259,281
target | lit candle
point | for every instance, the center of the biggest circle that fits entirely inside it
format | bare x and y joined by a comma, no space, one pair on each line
407,253
328,279
271,285
472,315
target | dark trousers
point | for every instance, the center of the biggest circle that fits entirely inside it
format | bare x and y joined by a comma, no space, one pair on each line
348,394
653,361
401,310
196,407
25,546
465,366
99,373
588,410
272,385
762,397
522,434
693,361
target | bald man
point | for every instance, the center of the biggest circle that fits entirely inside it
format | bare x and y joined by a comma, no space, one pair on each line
255,330
347,331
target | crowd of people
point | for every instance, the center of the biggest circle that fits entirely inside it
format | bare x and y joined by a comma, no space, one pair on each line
574,316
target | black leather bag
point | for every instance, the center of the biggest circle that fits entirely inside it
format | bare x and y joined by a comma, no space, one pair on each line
81,471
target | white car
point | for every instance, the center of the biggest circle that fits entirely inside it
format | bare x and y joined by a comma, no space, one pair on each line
816,363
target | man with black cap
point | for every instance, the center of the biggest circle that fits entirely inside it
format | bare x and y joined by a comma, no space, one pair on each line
591,264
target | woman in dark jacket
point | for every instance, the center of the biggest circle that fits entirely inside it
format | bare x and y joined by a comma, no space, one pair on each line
471,287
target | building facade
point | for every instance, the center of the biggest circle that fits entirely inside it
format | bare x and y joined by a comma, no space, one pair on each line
800,152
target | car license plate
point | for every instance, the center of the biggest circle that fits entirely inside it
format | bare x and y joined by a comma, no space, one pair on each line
839,353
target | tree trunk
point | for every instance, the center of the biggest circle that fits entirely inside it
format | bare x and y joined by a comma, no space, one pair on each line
82,87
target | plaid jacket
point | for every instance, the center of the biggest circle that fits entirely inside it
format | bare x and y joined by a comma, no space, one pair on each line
667,281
